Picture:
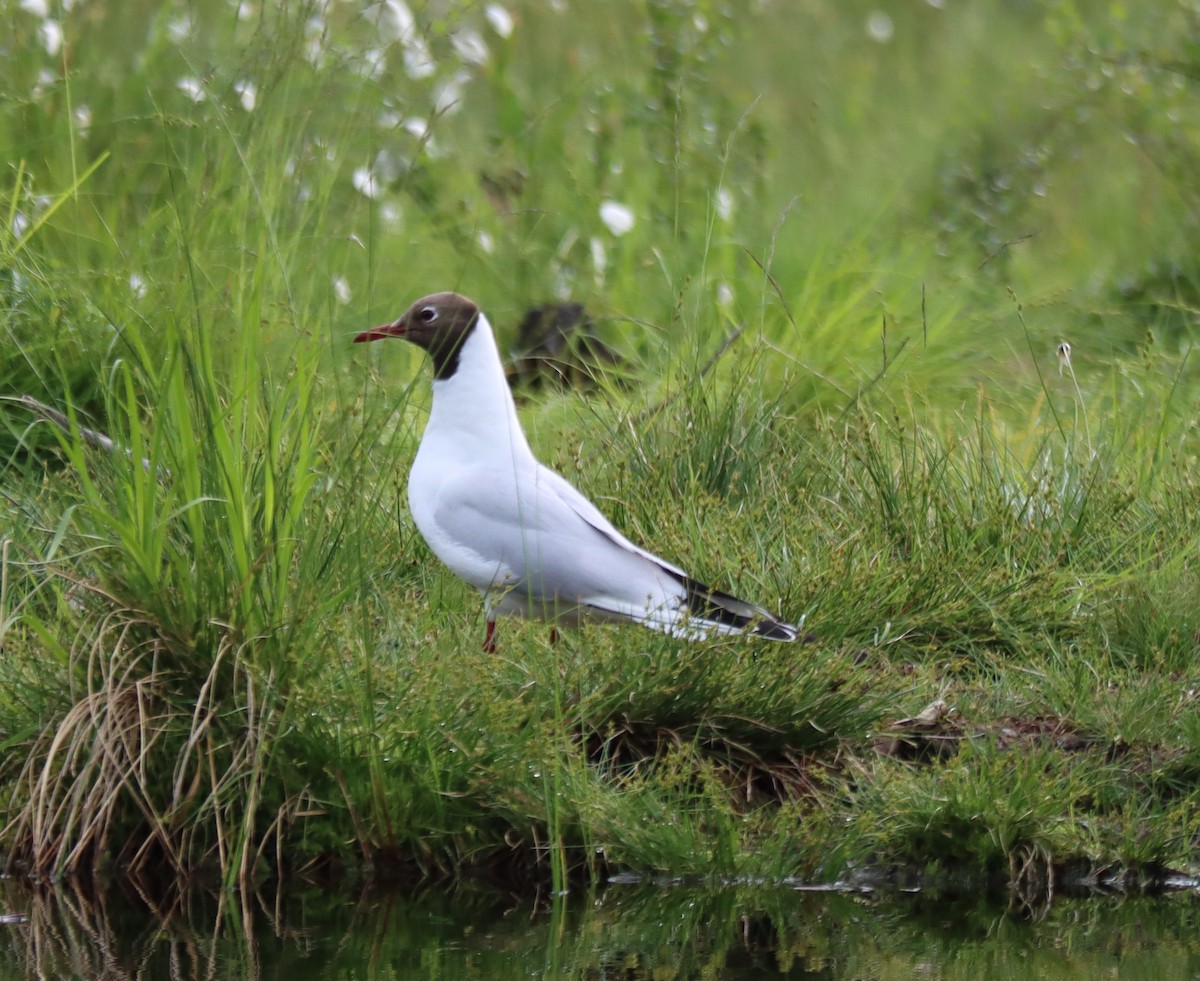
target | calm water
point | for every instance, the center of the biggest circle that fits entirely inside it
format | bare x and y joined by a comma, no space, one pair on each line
627,932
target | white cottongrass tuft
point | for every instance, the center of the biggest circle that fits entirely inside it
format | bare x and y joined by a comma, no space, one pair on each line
599,259
1064,357
418,62
724,203
314,34
393,19
365,182
390,213
193,88
396,23
247,93
500,19
880,27
46,79
448,96
617,217
179,28
470,46
51,33
372,63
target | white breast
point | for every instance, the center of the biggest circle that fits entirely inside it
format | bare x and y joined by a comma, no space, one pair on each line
472,431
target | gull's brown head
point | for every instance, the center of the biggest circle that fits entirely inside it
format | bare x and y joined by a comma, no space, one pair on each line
439,323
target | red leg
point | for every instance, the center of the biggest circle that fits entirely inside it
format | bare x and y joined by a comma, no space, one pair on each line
489,642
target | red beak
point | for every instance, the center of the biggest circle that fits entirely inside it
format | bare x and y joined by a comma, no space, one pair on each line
394,329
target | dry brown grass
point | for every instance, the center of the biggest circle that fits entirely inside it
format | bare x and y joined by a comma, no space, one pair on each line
93,787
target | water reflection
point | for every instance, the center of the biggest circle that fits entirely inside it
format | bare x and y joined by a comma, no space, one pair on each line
306,933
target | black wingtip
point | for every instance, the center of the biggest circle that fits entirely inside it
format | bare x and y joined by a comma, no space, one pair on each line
776,630
722,608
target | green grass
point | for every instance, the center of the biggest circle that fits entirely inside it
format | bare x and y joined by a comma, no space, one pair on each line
836,313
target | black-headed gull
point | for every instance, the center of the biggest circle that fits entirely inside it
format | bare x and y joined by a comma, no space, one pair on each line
518,532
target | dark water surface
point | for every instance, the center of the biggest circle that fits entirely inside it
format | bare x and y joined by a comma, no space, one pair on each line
627,932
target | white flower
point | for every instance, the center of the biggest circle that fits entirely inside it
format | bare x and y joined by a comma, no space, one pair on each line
39,8
341,289
500,19
486,242
83,117
725,296
248,93
193,88
20,223
618,217
137,285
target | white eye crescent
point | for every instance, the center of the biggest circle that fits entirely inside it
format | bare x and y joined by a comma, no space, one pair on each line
428,314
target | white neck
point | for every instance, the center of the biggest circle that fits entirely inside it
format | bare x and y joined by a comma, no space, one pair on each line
474,406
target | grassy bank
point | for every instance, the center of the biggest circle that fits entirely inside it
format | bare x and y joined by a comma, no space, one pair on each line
856,241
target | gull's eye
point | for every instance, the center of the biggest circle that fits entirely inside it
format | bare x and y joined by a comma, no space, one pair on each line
428,314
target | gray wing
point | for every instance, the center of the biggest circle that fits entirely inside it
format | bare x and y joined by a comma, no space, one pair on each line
546,541
718,609
593,516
